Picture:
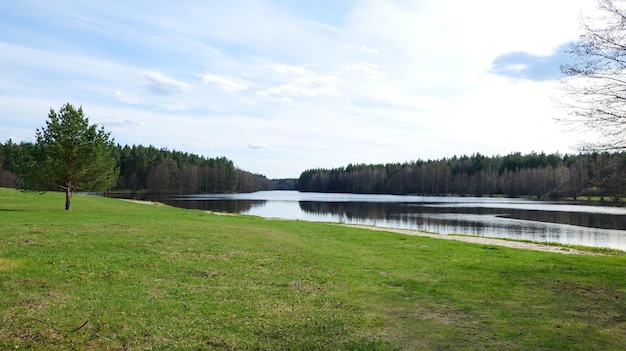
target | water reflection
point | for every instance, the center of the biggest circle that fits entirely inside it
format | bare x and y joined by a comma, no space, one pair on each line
501,218
576,228
216,205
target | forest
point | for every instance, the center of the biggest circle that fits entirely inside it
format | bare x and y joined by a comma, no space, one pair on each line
159,171
539,175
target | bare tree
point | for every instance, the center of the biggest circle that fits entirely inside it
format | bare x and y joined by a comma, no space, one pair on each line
610,174
595,80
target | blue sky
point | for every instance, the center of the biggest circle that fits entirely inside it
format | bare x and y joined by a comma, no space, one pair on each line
283,86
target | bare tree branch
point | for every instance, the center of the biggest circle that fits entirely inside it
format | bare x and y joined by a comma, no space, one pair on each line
595,81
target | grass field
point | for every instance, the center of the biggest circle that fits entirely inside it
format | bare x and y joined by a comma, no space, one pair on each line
117,275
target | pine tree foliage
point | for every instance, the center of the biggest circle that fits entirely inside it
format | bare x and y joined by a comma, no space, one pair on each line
69,154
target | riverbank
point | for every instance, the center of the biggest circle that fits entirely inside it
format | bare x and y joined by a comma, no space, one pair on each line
470,239
119,275
566,224
489,241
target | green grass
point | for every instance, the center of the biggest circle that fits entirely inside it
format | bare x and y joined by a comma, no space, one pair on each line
159,278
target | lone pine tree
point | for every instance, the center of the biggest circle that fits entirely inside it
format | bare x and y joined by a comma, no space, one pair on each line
69,154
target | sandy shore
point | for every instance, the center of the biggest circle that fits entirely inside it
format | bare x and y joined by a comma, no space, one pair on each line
140,202
479,240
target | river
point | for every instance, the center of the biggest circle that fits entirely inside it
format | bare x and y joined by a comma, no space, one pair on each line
518,219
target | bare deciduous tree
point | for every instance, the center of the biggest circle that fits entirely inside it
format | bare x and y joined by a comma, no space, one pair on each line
595,80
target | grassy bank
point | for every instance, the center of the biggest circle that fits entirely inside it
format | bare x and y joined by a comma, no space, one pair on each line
119,275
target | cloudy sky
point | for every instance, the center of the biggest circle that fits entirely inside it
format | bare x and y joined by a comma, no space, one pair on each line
281,86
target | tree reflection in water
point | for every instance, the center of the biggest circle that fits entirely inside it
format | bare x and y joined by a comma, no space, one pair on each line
501,218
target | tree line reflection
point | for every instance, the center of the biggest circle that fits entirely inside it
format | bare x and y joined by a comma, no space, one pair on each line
407,212
230,206
591,229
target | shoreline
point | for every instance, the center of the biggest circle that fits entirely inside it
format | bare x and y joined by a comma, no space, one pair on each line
464,238
481,240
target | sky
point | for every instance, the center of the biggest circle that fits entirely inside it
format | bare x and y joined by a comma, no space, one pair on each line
282,86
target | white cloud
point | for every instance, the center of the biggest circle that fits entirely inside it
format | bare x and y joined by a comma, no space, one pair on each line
224,83
160,84
255,146
370,50
367,70
179,106
126,99
118,123
300,81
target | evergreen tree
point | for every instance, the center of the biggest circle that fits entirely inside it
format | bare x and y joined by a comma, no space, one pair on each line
69,154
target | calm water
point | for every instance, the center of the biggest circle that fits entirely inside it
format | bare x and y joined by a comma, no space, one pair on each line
519,219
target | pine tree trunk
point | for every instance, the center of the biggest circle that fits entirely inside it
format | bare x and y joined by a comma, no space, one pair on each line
68,197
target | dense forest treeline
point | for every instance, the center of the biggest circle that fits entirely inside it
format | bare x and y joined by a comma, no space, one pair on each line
545,176
158,171
549,176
